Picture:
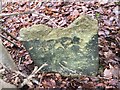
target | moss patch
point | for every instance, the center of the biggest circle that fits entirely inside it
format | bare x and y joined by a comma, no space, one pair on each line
70,51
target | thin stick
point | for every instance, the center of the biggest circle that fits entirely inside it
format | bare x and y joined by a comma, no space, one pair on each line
8,33
41,78
8,40
27,12
30,77
41,68
19,13
15,14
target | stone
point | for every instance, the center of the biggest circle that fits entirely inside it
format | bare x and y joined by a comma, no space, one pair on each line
72,50
5,86
6,59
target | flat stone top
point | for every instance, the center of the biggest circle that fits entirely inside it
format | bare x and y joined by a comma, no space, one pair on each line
70,51
84,27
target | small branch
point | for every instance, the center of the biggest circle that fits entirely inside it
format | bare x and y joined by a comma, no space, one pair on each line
19,73
2,70
9,40
41,68
8,33
30,77
41,78
19,13
27,12
15,14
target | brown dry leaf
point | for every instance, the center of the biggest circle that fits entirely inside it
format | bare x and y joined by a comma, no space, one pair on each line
101,33
75,13
48,11
107,73
62,23
113,71
84,9
70,18
28,62
49,83
55,15
107,27
21,9
116,72
118,85
100,85
88,85
113,82
53,83
109,54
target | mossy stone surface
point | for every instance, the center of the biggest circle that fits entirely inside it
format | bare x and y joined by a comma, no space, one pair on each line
70,51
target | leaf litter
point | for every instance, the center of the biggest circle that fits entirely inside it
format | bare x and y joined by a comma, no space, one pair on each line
61,14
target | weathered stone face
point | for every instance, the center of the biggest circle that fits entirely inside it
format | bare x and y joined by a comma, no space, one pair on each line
69,51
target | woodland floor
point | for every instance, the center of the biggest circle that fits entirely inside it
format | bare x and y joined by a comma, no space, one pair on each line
61,15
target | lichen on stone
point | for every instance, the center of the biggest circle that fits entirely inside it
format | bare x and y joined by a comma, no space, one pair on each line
70,51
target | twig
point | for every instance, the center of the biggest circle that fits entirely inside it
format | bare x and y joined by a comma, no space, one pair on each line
30,77
19,13
40,68
2,70
49,19
27,12
15,14
41,78
8,33
5,67
19,73
19,61
9,40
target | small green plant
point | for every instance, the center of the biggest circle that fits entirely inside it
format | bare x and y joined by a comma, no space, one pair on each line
97,15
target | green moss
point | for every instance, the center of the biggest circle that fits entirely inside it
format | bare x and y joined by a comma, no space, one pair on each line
69,51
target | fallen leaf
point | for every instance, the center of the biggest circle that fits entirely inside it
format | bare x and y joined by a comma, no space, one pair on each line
75,13
107,73
113,71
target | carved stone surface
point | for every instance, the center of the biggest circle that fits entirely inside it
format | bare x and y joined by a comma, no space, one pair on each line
70,51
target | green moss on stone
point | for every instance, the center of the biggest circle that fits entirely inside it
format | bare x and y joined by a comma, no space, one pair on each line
69,51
